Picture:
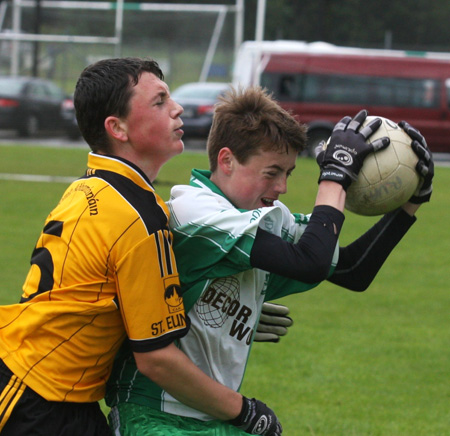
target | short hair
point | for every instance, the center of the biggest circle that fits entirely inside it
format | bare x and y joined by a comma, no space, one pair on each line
104,89
249,120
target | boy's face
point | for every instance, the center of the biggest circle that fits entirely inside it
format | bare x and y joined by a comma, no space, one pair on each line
153,123
261,180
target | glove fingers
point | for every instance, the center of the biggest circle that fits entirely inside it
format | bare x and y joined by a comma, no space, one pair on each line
412,132
276,320
421,151
266,337
342,125
380,143
275,329
371,127
277,309
422,168
358,120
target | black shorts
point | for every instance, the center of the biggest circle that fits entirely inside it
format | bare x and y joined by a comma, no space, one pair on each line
24,412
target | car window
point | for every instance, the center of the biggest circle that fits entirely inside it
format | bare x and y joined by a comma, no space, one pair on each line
54,91
37,90
10,87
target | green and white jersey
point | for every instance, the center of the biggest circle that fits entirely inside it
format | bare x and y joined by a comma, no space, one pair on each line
222,293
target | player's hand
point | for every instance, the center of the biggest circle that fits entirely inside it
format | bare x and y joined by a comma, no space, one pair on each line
273,323
425,166
257,418
344,156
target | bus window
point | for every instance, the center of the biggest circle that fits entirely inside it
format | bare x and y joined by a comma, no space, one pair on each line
358,90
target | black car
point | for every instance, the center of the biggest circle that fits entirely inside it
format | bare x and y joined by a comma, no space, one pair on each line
30,105
198,100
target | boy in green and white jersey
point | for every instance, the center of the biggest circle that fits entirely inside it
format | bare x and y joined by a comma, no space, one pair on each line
238,246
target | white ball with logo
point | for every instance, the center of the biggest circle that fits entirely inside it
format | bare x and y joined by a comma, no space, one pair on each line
388,177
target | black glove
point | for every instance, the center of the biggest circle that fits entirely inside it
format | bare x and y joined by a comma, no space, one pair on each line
257,418
344,156
273,323
425,166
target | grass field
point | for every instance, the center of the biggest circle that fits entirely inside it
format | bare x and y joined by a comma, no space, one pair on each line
375,363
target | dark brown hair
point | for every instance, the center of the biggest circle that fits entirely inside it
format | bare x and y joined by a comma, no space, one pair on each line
249,120
104,89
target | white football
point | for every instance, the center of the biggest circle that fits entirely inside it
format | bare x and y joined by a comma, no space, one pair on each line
388,177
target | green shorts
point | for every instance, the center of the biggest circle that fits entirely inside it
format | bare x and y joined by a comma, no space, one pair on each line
129,419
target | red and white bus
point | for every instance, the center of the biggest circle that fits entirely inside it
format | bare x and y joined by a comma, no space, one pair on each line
320,83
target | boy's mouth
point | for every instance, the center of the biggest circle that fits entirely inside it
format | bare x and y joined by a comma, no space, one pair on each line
267,201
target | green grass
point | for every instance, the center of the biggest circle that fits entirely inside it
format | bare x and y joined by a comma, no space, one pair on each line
370,364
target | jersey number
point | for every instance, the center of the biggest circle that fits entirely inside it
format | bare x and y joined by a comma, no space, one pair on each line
42,258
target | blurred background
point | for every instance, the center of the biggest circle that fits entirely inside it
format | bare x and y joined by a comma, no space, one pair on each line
204,41
198,40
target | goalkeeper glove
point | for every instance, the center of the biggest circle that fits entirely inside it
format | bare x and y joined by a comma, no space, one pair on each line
342,159
273,323
425,166
257,418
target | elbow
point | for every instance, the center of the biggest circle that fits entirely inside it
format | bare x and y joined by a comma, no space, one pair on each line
359,288
154,364
317,272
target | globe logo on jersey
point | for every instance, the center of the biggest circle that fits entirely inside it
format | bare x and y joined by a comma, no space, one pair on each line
219,301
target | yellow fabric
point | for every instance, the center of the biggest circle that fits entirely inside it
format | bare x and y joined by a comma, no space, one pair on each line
103,268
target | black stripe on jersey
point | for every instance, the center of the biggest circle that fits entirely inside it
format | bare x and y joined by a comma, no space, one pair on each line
160,255
54,228
167,250
164,252
143,201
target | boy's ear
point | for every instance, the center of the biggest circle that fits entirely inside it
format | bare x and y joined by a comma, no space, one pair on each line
116,128
225,160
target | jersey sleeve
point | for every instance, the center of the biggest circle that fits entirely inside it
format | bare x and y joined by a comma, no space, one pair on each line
156,288
218,243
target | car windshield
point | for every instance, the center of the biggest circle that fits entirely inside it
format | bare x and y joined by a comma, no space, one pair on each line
198,92
10,87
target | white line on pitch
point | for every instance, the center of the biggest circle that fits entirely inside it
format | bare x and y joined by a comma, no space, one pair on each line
36,178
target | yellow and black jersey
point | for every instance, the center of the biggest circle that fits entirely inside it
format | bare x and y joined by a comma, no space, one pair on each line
103,269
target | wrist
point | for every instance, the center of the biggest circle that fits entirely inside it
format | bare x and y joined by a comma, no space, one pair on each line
243,414
336,175
331,194
410,208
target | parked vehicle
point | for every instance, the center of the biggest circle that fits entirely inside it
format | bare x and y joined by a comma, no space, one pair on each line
320,83
198,100
30,105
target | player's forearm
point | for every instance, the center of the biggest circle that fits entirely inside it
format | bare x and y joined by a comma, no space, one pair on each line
331,194
173,371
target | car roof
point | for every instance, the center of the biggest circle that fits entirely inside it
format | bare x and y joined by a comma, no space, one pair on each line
218,87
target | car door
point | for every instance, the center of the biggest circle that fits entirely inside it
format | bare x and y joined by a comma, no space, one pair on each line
44,105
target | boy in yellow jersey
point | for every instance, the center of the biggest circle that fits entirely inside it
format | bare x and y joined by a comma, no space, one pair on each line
88,289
